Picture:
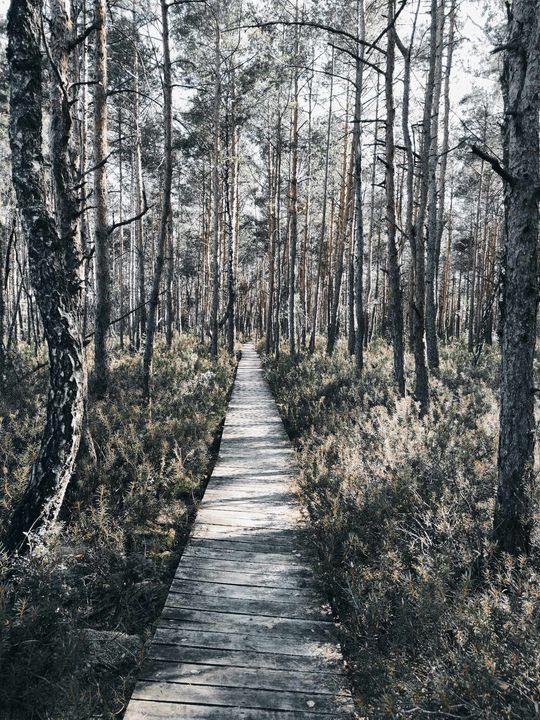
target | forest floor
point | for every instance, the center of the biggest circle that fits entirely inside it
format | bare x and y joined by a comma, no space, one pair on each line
400,509
74,618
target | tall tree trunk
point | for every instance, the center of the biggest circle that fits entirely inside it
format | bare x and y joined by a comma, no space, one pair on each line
272,232
216,195
421,390
322,237
102,244
140,292
293,207
54,255
341,232
232,239
520,82
446,126
166,208
169,283
358,209
433,210
394,281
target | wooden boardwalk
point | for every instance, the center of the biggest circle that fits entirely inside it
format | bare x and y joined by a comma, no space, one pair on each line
243,635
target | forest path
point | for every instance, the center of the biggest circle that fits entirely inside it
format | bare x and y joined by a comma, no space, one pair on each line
243,634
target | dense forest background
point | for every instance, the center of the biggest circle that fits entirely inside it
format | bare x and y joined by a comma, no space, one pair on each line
352,185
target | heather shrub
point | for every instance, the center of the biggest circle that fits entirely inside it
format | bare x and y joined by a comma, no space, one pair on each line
400,510
125,519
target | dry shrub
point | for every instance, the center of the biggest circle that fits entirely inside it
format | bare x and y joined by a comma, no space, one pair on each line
125,521
401,510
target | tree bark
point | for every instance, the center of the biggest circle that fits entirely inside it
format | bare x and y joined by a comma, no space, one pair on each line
293,209
166,208
421,390
216,196
520,83
2,313
433,199
394,280
101,230
322,237
358,209
54,255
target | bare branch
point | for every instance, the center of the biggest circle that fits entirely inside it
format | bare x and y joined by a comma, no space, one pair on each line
317,26
357,57
130,220
81,38
494,162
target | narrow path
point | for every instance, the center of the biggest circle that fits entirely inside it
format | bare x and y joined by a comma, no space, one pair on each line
243,635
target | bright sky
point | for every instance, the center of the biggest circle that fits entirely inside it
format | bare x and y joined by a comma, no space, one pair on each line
472,54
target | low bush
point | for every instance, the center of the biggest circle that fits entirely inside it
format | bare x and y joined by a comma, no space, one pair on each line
400,508
73,617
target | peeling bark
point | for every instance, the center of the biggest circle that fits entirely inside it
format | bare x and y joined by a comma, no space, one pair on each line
54,254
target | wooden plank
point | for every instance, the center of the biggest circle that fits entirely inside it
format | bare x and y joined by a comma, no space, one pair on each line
235,697
212,560
148,710
243,606
273,539
246,544
293,664
261,519
174,634
239,677
245,592
243,576
284,561
236,622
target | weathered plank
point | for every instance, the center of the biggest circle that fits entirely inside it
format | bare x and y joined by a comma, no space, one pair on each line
237,622
242,677
235,697
148,710
243,633
293,664
246,606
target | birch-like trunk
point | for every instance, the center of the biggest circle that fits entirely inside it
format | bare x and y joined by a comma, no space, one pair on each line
54,255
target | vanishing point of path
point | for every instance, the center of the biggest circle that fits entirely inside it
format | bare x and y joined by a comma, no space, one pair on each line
243,634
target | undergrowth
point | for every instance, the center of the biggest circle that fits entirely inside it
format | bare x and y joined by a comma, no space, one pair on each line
73,618
433,624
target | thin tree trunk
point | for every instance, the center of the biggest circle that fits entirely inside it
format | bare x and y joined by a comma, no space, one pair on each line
433,211
140,295
166,208
293,208
322,236
419,314
394,281
358,209
216,196
101,230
